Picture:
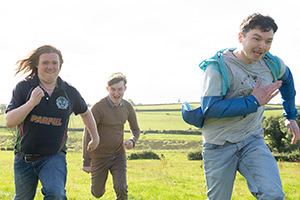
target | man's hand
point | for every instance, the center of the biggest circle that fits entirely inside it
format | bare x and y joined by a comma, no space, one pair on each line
92,145
128,144
36,95
293,128
87,169
265,94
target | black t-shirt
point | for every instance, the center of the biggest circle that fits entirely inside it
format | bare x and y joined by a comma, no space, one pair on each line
44,130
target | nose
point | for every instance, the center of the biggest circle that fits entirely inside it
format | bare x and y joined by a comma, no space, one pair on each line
50,66
262,44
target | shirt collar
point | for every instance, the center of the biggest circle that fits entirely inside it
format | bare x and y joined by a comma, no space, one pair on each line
112,104
60,83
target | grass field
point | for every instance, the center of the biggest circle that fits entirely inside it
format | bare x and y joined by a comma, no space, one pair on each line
171,178
159,120
165,120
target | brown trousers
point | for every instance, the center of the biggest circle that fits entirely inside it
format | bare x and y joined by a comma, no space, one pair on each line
116,165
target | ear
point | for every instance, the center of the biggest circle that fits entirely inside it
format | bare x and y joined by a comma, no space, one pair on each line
107,88
240,37
125,88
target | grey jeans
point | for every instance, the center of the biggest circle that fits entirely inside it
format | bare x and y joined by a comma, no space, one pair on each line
252,158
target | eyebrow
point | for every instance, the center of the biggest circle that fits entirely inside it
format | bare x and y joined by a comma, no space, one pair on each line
255,34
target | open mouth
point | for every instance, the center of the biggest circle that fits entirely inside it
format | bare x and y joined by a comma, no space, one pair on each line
116,98
257,53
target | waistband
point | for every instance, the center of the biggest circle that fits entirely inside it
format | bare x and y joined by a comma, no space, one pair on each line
32,157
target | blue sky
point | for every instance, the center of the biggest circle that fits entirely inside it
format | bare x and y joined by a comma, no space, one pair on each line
158,44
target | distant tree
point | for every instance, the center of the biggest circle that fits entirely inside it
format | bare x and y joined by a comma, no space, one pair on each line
2,108
89,105
131,101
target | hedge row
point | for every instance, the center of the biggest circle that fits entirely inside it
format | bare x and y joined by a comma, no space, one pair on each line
288,157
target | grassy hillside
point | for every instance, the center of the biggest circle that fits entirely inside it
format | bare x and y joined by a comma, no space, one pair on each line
157,117
164,117
161,116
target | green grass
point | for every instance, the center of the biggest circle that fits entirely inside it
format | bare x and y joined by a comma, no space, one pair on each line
2,119
163,106
173,178
269,113
170,120
164,120
161,121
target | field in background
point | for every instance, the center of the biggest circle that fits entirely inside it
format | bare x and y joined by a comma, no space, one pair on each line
165,112
167,117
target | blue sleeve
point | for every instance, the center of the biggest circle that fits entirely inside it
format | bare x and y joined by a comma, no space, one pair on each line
288,94
217,107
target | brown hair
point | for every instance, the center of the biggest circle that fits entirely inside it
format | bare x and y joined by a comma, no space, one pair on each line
116,78
259,21
29,64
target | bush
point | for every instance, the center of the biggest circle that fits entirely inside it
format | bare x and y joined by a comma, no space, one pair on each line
277,136
288,157
143,155
197,155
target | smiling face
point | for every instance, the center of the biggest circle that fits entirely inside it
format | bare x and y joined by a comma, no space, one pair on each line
48,68
116,92
255,44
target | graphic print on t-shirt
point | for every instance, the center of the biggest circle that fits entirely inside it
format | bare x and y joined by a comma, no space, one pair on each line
247,85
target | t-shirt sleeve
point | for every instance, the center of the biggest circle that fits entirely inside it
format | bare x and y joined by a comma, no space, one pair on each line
18,97
211,82
80,105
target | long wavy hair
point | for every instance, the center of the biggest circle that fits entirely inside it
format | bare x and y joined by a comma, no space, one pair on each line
29,64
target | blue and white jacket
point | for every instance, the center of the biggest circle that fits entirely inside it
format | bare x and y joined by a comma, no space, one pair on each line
219,107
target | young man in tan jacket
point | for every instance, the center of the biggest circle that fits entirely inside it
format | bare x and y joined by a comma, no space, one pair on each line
111,113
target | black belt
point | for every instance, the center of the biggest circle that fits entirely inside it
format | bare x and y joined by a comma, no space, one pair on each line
30,157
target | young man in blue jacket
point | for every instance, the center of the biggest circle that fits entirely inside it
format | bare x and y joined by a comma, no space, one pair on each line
231,112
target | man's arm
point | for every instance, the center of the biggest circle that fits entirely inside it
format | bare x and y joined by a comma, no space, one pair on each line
17,115
86,155
293,128
134,128
90,124
288,94
217,107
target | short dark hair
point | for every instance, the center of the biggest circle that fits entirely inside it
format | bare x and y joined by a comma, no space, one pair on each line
116,78
258,21
30,63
